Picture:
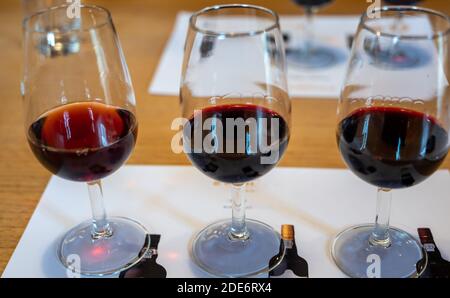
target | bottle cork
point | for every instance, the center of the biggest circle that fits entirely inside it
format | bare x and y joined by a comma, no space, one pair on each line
287,232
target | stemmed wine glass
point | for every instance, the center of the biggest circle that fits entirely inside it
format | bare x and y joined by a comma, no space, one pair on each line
237,110
399,24
392,133
402,2
309,54
81,125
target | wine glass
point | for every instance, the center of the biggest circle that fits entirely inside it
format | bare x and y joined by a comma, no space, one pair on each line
309,54
81,125
237,110
392,133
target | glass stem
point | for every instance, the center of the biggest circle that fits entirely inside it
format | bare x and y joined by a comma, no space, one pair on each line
397,29
238,230
398,24
100,224
309,29
380,234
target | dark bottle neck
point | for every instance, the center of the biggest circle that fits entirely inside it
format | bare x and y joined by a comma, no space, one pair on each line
426,238
290,246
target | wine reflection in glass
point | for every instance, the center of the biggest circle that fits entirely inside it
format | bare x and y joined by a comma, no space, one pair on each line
397,54
310,53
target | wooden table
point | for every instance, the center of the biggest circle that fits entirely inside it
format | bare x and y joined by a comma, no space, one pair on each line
144,27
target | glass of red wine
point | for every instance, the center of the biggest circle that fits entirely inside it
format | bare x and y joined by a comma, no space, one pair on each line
310,54
234,100
81,125
392,133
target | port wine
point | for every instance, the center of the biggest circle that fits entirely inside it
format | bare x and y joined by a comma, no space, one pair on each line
392,147
236,166
83,141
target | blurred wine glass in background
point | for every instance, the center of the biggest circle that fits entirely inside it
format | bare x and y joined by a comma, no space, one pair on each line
398,54
63,44
310,53
30,7
400,25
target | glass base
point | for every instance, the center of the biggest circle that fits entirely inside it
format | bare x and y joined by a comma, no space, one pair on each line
356,257
318,57
82,254
217,254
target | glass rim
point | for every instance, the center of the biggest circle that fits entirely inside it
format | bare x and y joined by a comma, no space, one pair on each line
193,25
406,8
108,19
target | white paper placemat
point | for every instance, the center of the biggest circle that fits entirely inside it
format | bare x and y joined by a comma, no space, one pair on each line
177,201
320,83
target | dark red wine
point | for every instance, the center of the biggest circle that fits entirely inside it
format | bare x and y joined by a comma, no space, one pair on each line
83,141
311,2
402,2
392,147
237,166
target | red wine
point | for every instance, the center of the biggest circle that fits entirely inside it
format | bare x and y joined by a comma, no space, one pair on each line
402,2
235,166
392,147
312,2
83,141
